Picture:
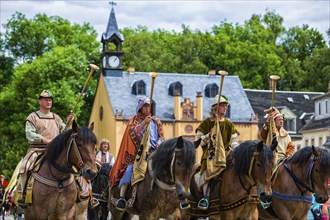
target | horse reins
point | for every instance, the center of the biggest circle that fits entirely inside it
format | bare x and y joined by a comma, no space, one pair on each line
298,182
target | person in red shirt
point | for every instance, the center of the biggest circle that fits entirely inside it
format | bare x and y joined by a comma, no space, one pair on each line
4,183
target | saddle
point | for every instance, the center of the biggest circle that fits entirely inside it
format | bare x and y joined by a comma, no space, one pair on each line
197,195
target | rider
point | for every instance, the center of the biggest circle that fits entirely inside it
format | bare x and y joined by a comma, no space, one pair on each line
122,169
285,146
229,137
41,128
103,155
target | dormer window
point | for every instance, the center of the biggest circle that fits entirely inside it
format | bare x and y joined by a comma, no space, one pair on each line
175,89
139,88
211,90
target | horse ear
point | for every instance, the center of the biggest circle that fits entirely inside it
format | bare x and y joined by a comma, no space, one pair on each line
91,126
198,142
260,145
179,142
316,153
274,144
75,126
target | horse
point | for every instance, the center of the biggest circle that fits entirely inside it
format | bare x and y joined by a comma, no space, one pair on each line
100,188
233,194
55,191
305,172
166,182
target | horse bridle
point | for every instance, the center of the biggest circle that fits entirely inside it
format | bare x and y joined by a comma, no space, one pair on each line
161,184
310,186
249,177
75,150
60,183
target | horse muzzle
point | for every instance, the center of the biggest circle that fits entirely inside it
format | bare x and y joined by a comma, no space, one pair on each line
320,198
88,173
181,192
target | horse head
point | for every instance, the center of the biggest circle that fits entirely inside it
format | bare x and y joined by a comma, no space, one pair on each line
81,150
182,166
320,173
173,162
255,160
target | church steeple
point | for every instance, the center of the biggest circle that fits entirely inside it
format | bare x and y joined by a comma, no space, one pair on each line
112,28
112,47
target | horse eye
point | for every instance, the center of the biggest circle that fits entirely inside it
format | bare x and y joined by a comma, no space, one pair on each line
258,164
178,163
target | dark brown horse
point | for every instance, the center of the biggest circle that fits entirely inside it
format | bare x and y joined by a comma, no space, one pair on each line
234,193
306,172
166,182
100,187
55,191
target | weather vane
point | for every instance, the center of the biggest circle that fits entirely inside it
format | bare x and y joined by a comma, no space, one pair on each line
112,3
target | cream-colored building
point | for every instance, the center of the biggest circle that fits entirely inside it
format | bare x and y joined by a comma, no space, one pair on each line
317,131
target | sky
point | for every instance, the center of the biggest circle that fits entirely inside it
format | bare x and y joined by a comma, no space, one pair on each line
171,15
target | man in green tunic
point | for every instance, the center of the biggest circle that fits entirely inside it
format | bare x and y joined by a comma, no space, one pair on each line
217,141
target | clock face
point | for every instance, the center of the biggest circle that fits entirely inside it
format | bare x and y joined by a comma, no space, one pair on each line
114,61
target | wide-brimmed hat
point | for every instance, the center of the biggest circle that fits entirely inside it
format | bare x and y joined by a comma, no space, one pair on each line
223,99
46,94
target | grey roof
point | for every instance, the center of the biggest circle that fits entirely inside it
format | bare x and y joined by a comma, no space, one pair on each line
316,124
121,98
112,28
302,103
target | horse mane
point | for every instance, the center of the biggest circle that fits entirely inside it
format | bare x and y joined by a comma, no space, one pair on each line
242,155
302,157
56,146
162,157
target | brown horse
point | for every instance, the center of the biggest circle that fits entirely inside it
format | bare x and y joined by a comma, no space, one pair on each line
166,182
234,193
55,191
306,172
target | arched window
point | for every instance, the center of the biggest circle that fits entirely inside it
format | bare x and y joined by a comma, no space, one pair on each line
175,89
139,88
211,90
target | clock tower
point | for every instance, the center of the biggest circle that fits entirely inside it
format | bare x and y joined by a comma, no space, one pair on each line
112,52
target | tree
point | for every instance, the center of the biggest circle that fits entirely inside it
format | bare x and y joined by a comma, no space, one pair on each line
27,39
317,65
62,71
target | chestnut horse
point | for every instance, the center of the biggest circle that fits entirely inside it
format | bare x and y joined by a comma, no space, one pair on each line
55,190
233,194
166,182
304,173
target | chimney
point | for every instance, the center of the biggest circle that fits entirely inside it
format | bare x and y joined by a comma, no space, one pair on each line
177,107
211,72
199,111
131,69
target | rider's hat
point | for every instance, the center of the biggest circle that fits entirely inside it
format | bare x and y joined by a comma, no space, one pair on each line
46,94
223,99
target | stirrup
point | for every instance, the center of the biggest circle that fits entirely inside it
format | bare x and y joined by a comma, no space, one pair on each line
203,203
184,205
121,204
93,203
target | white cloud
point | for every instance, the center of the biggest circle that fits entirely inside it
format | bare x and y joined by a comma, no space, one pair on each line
170,15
